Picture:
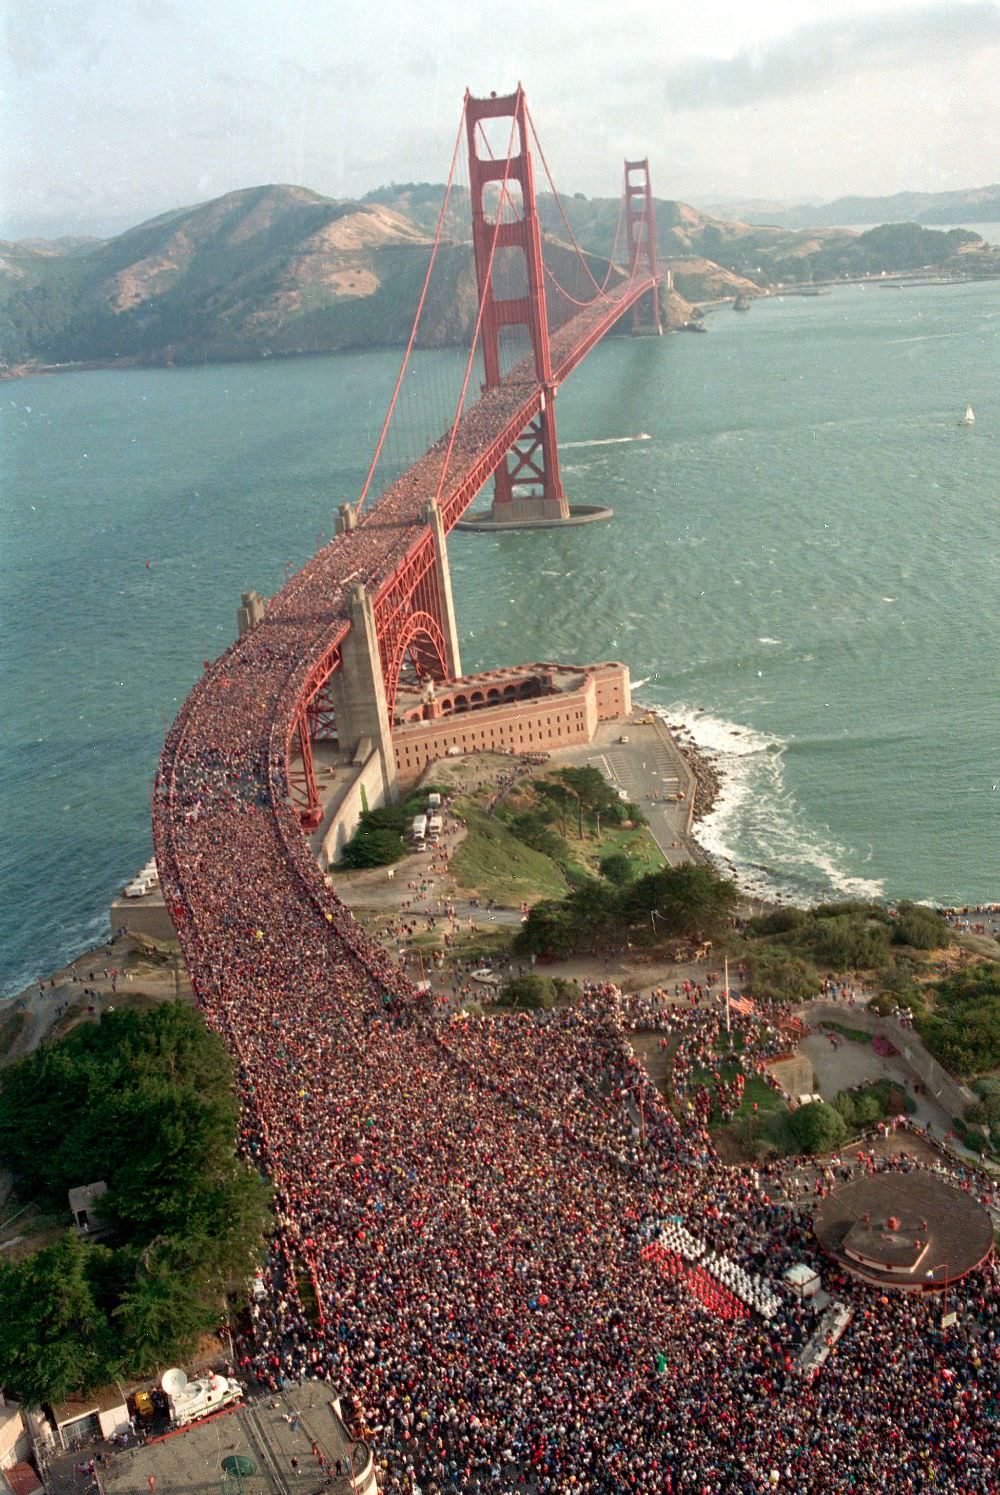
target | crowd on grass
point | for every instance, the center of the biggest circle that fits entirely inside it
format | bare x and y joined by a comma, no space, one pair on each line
462,1202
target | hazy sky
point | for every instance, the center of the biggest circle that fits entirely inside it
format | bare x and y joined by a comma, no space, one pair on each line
116,110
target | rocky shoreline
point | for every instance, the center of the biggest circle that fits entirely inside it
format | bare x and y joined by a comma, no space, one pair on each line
707,779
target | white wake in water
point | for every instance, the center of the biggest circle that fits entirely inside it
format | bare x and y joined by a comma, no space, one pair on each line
756,827
607,440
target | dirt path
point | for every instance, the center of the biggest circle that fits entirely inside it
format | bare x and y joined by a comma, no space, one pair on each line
123,972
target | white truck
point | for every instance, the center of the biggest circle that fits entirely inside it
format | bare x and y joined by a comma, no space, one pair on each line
435,825
418,830
187,1401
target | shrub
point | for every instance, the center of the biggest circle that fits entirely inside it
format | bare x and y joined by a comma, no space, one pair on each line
617,868
776,976
779,921
866,1108
919,927
842,942
373,847
844,1103
848,908
531,992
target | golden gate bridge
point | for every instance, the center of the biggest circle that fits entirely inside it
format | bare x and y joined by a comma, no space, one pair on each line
324,657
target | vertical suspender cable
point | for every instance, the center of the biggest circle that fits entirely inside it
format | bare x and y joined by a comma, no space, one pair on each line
420,307
487,284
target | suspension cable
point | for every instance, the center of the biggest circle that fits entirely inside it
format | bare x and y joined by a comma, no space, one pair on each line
420,307
618,233
563,291
559,204
602,289
487,284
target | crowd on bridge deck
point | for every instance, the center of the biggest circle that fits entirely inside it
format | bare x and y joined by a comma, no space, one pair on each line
471,1196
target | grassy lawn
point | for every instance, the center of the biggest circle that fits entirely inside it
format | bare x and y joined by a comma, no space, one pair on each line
494,864
482,944
856,1035
767,1099
756,1090
636,844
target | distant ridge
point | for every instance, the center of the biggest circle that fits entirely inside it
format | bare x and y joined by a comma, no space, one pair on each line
969,205
279,270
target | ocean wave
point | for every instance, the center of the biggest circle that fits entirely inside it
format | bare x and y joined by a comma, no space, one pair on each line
756,829
606,441
82,932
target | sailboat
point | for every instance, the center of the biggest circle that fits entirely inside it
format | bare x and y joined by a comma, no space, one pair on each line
969,418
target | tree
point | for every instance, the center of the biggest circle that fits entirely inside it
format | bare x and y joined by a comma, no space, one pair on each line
617,868
595,912
159,1316
817,1127
370,847
548,930
146,1102
693,901
54,1341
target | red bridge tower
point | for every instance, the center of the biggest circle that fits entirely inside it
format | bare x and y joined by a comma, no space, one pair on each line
527,486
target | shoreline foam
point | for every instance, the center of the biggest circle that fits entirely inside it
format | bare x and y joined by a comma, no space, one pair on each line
746,820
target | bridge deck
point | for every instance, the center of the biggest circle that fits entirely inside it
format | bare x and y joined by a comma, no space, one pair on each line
221,801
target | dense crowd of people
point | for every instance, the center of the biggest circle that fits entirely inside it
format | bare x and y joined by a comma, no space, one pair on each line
470,1197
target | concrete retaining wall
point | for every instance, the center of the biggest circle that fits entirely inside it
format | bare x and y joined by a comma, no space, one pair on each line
368,788
950,1094
143,916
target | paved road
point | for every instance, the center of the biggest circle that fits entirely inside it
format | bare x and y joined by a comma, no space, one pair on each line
647,767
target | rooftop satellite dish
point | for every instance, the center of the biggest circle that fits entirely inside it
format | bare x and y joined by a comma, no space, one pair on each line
173,1382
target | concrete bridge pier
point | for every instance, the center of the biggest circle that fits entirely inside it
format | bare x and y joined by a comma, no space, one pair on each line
449,628
363,725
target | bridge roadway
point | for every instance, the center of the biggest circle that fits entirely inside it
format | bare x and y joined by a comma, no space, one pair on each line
299,992
224,833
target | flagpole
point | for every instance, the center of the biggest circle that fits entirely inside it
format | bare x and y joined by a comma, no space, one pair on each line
726,979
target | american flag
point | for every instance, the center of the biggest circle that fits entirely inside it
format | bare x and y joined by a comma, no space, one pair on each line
742,1005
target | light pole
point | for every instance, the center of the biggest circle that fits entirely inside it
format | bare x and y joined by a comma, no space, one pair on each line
942,1266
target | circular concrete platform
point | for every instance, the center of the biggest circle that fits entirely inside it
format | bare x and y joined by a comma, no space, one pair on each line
578,514
911,1231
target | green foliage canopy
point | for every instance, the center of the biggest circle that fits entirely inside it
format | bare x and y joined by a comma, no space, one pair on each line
146,1103
817,1127
963,1031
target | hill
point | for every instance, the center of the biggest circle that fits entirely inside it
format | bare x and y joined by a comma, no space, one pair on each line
970,205
263,272
280,270
716,257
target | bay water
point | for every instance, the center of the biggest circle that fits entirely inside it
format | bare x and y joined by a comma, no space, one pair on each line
803,569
